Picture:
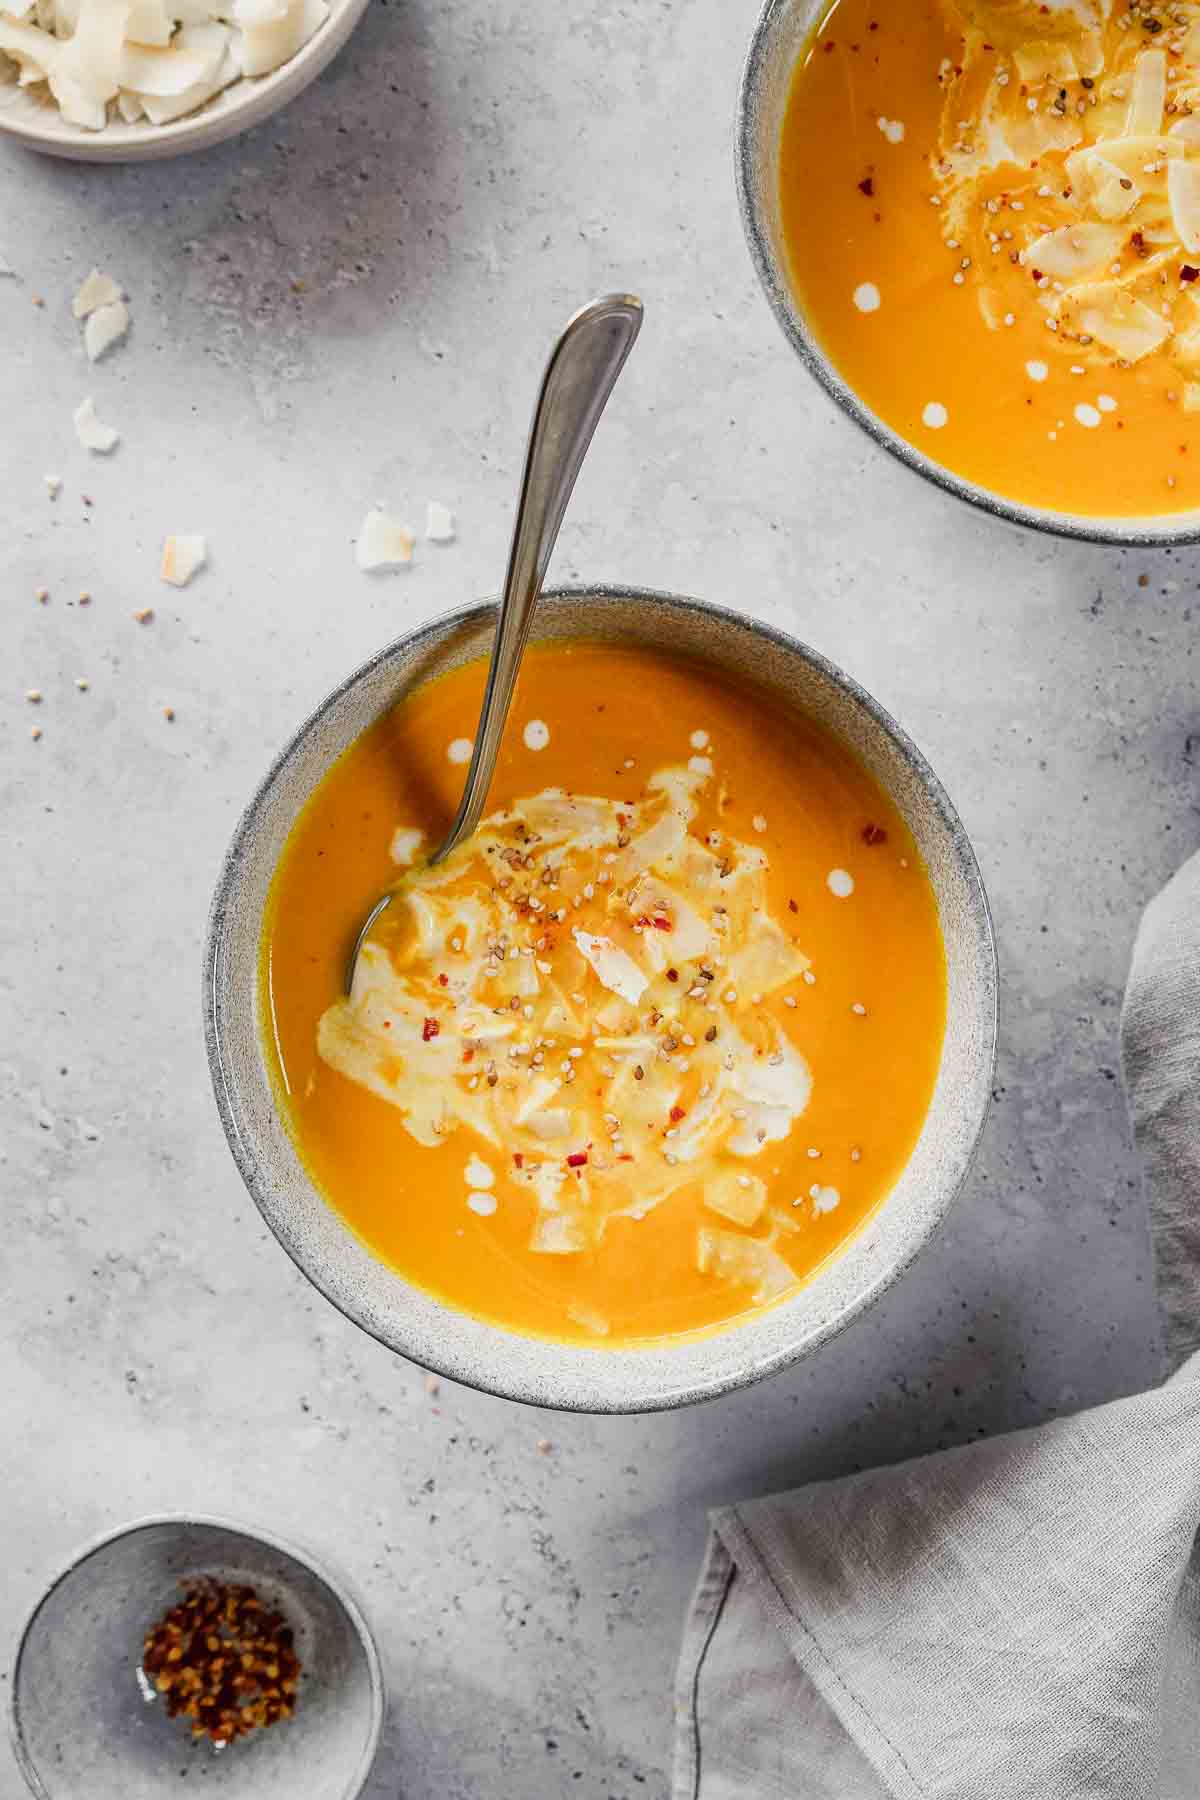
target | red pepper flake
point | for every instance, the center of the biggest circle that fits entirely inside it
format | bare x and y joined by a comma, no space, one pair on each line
518,1159
828,45
874,834
1037,274
661,924
677,1113
468,1054
443,980
672,974
1188,273
792,907
577,1161
866,186
429,1030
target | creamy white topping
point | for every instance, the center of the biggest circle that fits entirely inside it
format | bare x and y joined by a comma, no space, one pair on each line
580,988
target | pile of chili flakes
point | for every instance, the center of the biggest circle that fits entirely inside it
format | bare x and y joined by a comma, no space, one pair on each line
224,1661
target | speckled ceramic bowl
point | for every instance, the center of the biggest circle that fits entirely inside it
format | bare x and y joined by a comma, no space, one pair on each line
81,1728
775,49
534,1369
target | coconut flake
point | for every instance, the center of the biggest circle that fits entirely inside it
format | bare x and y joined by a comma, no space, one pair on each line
270,37
613,968
1127,327
439,523
96,290
383,543
215,45
90,432
105,327
1183,193
1071,251
171,72
1148,94
151,22
182,557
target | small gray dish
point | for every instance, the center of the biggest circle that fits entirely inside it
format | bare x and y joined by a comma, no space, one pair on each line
413,1322
81,1728
779,41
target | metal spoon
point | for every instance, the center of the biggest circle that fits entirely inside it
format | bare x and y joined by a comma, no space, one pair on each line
579,378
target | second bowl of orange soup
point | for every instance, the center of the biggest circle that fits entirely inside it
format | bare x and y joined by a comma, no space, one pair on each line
978,221
669,1069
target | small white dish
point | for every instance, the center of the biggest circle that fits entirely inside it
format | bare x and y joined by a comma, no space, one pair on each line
32,118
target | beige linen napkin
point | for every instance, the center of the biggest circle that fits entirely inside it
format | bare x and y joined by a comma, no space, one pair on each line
1017,1619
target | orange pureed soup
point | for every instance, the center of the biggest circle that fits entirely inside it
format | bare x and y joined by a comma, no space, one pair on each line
992,211
649,1047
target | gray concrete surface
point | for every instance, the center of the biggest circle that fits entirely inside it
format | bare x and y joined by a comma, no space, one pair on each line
461,178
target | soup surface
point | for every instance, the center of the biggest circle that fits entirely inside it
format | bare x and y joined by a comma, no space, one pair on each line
647,1048
992,210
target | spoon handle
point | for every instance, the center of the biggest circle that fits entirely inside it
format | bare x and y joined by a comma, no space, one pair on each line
575,388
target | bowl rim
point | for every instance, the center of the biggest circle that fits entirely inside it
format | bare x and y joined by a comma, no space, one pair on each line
581,1392
335,1583
247,102
1148,532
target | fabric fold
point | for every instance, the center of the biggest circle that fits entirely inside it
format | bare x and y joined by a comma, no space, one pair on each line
1018,1617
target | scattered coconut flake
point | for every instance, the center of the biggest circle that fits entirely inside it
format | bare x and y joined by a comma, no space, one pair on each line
406,840
1087,415
866,297
182,557
90,432
935,415
840,882
97,290
105,327
536,734
460,750
383,543
53,485
483,1204
439,523
1037,371
892,129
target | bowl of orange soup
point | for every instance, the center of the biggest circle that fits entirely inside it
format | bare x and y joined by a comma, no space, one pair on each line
668,1070
978,222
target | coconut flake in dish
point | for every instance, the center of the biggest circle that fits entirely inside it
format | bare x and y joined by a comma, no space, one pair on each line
89,430
182,558
383,542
